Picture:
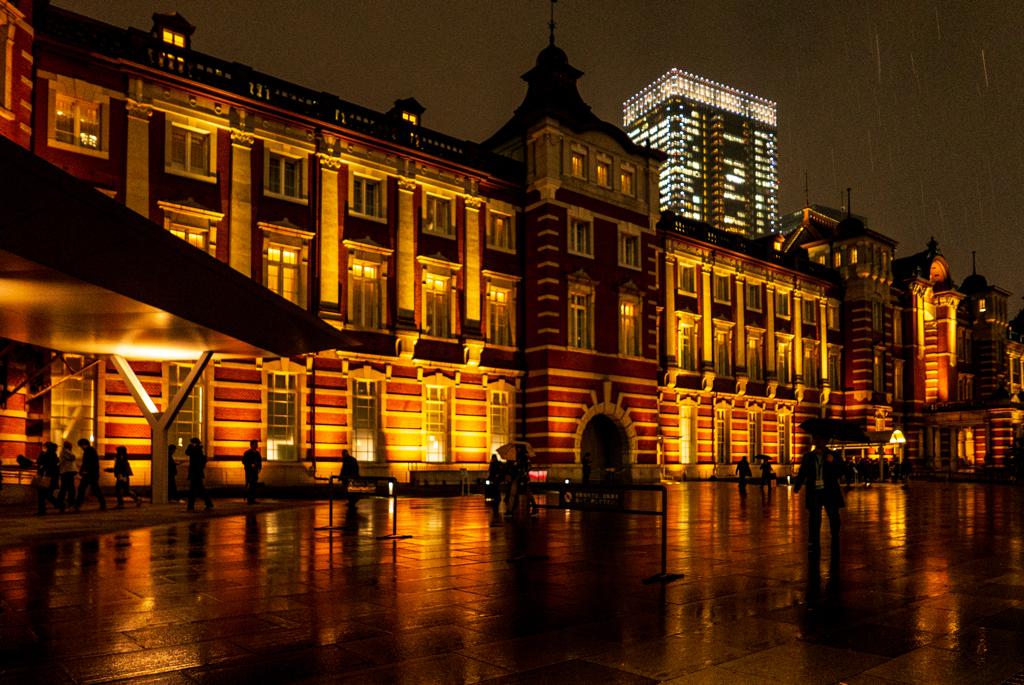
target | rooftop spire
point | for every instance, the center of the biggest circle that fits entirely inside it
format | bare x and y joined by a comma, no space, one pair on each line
551,24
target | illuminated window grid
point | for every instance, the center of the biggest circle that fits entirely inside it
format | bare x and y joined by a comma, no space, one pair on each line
499,232
628,329
77,123
365,296
754,425
189,422
364,420
72,402
603,171
499,325
687,435
785,438
411,118
723,439
282,417
173,38
630,249
723,357
579,321
366,197
436,303
782,364
626,182
500,420
191,237
282,272
436,424
284,176
687,347
579,164
190,151
439,216
579,237
754,358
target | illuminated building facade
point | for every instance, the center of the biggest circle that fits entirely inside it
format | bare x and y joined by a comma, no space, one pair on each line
721,147
528,287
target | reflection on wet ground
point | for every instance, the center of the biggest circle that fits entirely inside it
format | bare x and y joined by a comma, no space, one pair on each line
928,588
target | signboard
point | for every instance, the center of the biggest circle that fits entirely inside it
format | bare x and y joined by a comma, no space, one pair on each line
595,498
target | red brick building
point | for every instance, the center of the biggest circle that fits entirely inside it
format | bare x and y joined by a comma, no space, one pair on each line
524,288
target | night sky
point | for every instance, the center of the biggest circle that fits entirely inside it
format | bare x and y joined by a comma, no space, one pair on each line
915,105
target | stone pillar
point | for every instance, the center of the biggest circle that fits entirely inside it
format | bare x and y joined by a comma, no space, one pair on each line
739,312
798,338
823,341
769,317
671,325
329,238
406,261
136,195
240,227
472,262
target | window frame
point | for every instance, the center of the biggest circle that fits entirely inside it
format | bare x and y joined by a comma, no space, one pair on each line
358,298
578,170
75,90
492,219
810,313
359,400
688,362
432,429
688,434
442,294
294,401
755,352
629,236
723,435
301,195
755,432
191,128
783,360
630,342
877,316
357,196
716,291
431,202
494,294
786,297
878,371
749,301
627,180
680,282
586,305
572,243
722,341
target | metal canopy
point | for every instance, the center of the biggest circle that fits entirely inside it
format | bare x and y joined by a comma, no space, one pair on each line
80,272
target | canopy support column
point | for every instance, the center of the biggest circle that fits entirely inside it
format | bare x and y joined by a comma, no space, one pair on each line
159,421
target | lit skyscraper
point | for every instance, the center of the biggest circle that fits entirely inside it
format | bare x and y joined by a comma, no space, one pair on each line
721,146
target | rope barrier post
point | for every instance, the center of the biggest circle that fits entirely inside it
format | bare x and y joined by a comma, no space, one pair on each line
392,482
664,576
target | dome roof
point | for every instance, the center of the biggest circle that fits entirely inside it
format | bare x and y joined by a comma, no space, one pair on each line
850,226
973,284
552,54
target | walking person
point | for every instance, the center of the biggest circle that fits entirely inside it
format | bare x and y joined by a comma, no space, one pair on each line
47,476
172,475
122,475
522,482
196,473
766,472
90,473
252,461
905,470
587,464
68,470
349,470
493,492
820,470
744,472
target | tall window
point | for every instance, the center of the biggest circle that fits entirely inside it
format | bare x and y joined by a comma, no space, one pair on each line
754,433
365,411
439,220
897,378
687,435
785,438
687,346
437,424
876,315
878,375
723,358
835,381
629,329
833,317
579,321
283,272
782,362
366,197
284,176
501,420
436,303
499,232
722,290
73,402
687,278
782,304
626,181
282,417
189,422
77,122
603,172
579,237
629,250
810,365
499,321
754,372
754,296
579,164
723,441
810,312
190,151
365,296
897,327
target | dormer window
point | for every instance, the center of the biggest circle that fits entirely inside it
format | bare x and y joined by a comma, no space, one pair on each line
173,38
411,118
981,305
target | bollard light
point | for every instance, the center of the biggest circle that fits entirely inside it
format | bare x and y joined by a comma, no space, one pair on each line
566,481
391,488
487,482
788,481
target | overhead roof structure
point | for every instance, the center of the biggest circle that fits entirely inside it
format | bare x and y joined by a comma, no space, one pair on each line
80,272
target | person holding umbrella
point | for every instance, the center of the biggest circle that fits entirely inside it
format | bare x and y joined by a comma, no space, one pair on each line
820,470
766,472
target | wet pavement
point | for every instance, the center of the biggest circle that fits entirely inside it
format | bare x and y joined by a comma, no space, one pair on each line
928,588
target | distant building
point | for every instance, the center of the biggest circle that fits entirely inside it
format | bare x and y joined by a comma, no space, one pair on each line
721,147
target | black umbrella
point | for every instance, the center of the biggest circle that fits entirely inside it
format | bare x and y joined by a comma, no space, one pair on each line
835,429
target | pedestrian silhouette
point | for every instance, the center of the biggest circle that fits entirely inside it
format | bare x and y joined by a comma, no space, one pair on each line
820,470
90,473
122,475
196,473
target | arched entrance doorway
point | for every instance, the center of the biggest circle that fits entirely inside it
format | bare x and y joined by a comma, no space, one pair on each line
604,440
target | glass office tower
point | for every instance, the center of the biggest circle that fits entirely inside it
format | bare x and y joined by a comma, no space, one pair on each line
721,146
